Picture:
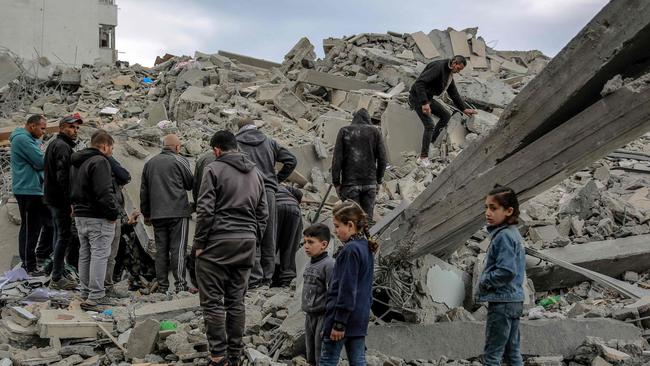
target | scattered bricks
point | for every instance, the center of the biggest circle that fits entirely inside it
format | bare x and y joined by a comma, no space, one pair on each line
143,339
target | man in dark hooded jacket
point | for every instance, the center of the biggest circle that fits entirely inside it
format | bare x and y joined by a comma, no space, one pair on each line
265,152
359,162
231,214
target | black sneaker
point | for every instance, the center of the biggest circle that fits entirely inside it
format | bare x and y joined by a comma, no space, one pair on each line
117,293
63,283
94,304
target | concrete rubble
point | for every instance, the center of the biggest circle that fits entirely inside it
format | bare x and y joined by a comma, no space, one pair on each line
598,218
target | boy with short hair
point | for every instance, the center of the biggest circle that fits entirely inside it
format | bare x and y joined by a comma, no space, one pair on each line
314,292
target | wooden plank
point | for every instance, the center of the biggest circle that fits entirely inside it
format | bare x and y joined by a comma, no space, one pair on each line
429,51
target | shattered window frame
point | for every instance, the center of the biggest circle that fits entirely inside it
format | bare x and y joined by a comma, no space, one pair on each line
107,36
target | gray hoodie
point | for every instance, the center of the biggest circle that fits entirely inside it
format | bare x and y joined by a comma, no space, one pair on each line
231,202
317,277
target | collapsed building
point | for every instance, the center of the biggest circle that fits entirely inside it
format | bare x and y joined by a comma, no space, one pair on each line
549,128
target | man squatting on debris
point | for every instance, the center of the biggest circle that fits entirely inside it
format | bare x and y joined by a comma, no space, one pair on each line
437,77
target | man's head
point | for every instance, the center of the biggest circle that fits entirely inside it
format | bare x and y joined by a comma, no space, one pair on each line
102,141
69,125
317,239
245,121
223,142
172,142
457,64
36,125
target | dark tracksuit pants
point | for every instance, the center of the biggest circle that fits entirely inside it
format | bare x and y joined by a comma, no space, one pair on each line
31,222
265,253
171,241
63,233
289,224
363,195
223,270
431,130
47,238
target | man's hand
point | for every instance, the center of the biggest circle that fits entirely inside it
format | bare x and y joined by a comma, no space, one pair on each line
147,221
198,252
426,109
133,218
470,112
337,335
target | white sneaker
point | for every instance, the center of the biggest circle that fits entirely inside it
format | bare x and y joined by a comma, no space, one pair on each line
424,162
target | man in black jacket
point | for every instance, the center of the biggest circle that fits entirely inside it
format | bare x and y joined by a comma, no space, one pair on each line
359,162
436,78
231,213
95,211
289,223
265,152
166,178
121,177
57,196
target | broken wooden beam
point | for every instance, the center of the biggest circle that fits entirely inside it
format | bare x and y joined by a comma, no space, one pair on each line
561,108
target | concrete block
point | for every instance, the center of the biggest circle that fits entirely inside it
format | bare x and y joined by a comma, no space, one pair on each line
66,324
465,340
429,51
459,43
381,56
9,71
334,81
402,131
329,125
307,159
291,105
155,112
143,339
544,234
134,148
482,123
167,309
609,257
251,61
268,92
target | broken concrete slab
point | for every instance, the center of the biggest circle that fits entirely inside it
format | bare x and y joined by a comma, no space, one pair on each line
402,131
291,105
251,61
9,71
133,147
268,92
167,309
459,43
465,340
66,324
307,159
609,257
545,234
429,51
155,112
334,81
125,81
195,94
329,125
143,339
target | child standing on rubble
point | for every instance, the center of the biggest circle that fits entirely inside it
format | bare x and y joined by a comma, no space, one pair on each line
349,296
501,283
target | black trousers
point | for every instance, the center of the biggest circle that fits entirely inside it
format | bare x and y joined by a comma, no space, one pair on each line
47,239
63,233
223,270
363,195
171,242
431,130
265,253
289,224
31,222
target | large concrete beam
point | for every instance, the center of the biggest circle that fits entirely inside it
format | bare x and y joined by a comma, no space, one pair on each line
334,81
250,61
561,108
609,257
465,340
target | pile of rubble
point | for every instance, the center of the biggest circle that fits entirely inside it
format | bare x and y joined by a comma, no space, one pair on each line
303,102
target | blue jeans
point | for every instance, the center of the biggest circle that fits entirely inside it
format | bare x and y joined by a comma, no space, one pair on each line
355,347
502,334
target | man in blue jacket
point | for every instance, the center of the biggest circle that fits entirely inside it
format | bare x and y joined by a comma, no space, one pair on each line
27,166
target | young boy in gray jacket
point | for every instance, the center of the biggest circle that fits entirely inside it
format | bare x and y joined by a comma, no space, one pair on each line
314,291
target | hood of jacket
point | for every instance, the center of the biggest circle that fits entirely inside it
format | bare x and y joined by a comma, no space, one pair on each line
361,117
251,137
20,131
238,161
79,157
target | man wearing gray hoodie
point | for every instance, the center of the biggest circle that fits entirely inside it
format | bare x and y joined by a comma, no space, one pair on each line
231,214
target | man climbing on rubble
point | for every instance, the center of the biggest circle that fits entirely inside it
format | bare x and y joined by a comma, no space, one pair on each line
95,212
166,178
57,196
265,152
437,77
27,165
359,162
231,215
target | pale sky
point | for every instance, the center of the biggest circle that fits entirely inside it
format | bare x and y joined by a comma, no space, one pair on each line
269,28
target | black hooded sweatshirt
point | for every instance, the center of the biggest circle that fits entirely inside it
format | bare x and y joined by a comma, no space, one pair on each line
359,154
92,190
265,152
57,171
231,202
